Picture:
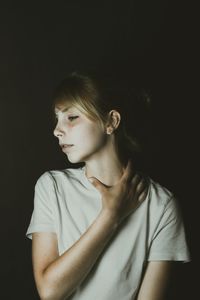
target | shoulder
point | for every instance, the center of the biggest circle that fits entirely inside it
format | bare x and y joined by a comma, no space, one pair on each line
159,193
56,176
161,198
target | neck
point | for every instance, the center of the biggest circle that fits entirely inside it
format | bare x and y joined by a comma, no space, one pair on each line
107,166
108,171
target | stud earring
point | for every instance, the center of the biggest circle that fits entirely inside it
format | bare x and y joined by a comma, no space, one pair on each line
109,131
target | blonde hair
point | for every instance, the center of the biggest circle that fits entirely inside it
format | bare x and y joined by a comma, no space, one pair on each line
96,97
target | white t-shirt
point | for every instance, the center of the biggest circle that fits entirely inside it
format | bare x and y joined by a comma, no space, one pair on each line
67,203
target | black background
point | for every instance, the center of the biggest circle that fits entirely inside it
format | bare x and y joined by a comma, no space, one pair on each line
154,42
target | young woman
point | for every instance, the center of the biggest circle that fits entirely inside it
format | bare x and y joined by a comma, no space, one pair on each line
101,231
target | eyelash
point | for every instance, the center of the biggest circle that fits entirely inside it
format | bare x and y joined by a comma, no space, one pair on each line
71,118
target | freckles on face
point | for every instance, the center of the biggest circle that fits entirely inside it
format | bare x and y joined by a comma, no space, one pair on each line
87,130
88,138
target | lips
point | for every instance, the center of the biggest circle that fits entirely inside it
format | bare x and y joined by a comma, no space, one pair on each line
66,146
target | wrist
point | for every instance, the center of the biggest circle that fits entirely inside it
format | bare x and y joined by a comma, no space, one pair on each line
110,217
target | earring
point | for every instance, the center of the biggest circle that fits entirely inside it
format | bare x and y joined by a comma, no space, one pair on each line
109,131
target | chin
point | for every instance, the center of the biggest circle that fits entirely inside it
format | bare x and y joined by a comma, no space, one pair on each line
74,159
81,156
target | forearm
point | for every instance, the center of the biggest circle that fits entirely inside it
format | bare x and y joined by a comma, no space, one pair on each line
156,281
63,275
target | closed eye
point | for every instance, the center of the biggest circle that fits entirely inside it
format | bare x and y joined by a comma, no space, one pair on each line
71,118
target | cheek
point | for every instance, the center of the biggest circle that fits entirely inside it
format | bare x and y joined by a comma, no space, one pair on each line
93,134
97,137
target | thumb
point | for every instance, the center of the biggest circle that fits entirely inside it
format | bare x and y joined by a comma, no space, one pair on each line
97,184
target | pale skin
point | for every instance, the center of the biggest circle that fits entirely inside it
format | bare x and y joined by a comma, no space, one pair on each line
122,192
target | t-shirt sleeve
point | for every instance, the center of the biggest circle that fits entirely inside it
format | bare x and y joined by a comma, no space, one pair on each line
169,239
42,217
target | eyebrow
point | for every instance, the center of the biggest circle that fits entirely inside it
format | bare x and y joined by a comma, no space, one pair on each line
62,110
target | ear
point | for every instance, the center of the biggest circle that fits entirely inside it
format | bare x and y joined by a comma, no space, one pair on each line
114,119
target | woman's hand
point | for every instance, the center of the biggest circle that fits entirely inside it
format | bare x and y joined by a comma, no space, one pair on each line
125,196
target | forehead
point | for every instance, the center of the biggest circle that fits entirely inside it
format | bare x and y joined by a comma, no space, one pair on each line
63,108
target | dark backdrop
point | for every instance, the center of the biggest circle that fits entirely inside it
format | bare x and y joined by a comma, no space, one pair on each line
152,41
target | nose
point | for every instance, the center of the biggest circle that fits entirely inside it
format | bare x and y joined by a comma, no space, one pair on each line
57,132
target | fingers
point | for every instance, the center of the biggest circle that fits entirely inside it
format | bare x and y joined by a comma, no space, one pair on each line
97,184
142,189
142,184
139,184
139,187
143,195
128,172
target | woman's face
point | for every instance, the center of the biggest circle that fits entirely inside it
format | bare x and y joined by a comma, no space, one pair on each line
79,137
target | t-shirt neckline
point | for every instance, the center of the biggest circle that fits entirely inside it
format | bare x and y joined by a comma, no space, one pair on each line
85,179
